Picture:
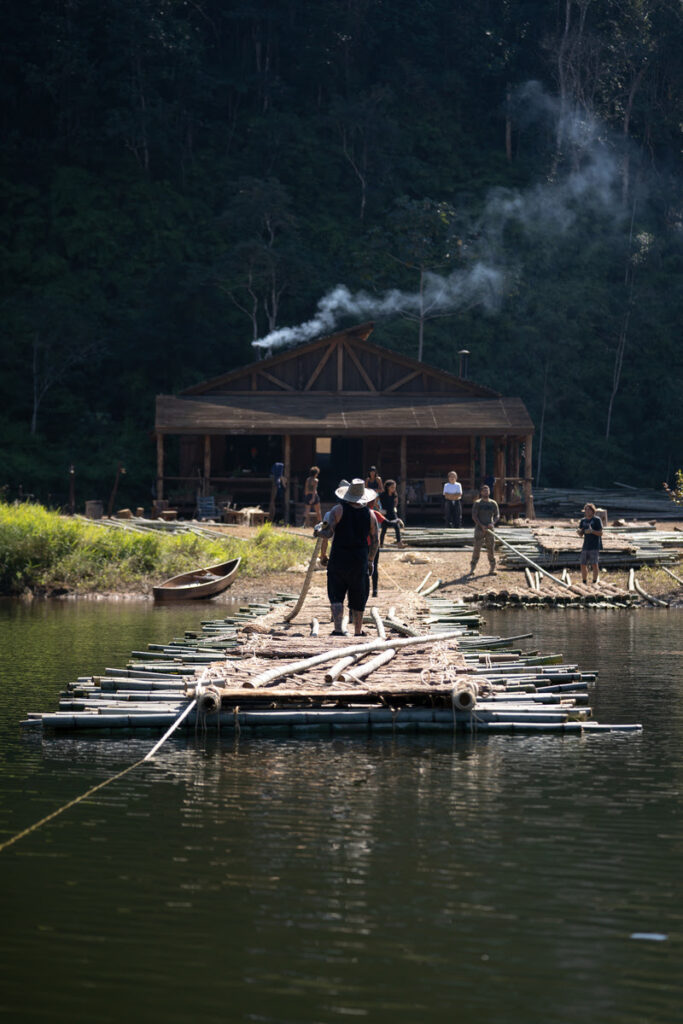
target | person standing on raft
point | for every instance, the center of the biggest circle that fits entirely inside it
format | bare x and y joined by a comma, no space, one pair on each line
353,528
590,528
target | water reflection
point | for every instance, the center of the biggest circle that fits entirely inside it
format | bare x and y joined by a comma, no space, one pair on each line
397,877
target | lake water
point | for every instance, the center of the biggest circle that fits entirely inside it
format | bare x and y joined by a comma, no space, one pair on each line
501,880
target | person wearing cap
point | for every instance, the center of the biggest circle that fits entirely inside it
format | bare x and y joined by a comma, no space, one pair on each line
355,539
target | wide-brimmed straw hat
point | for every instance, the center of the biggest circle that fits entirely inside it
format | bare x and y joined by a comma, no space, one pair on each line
356,491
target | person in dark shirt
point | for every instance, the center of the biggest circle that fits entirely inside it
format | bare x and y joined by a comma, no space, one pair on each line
387,501
590,528
353,528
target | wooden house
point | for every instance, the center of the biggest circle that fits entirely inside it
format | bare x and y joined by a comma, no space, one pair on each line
344,404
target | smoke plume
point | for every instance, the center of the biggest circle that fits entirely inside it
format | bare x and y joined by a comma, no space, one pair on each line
585,177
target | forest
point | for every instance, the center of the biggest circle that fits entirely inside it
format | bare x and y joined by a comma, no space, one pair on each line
181,178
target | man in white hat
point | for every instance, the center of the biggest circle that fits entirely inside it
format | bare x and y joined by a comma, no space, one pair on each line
353,527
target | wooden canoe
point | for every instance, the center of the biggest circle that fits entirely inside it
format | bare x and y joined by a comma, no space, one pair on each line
199,584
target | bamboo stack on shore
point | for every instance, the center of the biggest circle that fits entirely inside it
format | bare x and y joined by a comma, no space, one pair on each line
622,501
623,547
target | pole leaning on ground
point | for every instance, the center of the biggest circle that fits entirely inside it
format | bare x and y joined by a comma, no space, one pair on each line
539,568
306,584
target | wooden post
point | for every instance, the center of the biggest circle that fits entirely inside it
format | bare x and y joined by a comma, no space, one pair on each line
500,471
160,467
482,462
288,466
403,485
528,493
206,485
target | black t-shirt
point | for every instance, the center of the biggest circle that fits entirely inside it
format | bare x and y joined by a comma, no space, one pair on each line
591,541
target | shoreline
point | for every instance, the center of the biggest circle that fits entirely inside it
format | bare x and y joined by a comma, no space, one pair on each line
404,569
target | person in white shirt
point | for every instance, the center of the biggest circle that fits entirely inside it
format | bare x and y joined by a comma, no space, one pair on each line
452,496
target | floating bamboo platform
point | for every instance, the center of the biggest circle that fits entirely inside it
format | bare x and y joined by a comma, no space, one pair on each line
430,666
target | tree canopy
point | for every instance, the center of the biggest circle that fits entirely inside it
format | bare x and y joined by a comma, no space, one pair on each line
180,178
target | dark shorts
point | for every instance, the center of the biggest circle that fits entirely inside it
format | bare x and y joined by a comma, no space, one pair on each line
589,557
348,579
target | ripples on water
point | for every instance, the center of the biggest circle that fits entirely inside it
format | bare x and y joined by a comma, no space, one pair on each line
397,878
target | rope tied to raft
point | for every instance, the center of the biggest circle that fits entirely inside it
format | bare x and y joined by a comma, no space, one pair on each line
100,785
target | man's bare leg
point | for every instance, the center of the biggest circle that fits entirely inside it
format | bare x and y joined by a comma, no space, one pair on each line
357,623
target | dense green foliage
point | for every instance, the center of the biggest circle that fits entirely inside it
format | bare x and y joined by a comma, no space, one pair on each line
181,178
41,550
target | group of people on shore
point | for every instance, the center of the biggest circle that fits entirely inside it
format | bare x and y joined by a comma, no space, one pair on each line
357,525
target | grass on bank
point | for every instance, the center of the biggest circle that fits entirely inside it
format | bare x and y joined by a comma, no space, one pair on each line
44,551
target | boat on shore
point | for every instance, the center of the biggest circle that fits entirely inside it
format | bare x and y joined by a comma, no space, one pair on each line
199,584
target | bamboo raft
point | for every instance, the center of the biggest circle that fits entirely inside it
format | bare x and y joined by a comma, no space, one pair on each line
431,668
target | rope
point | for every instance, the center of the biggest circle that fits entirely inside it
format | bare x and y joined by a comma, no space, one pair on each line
72,803
100,785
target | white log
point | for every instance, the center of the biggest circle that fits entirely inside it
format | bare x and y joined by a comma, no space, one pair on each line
421,585
649,597
381,631
294,667
356,675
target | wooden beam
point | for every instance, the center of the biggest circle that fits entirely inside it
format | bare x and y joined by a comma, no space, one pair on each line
403,482
288,466
528,478
207,465
160,467
499,472
360,368
404,380
276,380
320,367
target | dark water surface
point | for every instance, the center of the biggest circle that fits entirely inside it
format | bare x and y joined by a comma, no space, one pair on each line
394,878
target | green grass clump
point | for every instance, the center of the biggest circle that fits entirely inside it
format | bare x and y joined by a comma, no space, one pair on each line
42,550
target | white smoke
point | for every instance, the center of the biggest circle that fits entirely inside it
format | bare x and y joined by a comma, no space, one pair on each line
551,207
480,285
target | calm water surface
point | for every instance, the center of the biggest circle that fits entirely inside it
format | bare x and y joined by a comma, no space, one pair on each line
394,878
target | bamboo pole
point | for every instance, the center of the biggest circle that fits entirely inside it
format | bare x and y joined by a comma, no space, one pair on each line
357,675
649,597
306,584
181,718
673,575
431,589
381,631
292,668
421,585
336,670
527,559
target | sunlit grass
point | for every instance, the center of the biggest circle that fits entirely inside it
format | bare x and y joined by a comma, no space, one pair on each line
42,550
